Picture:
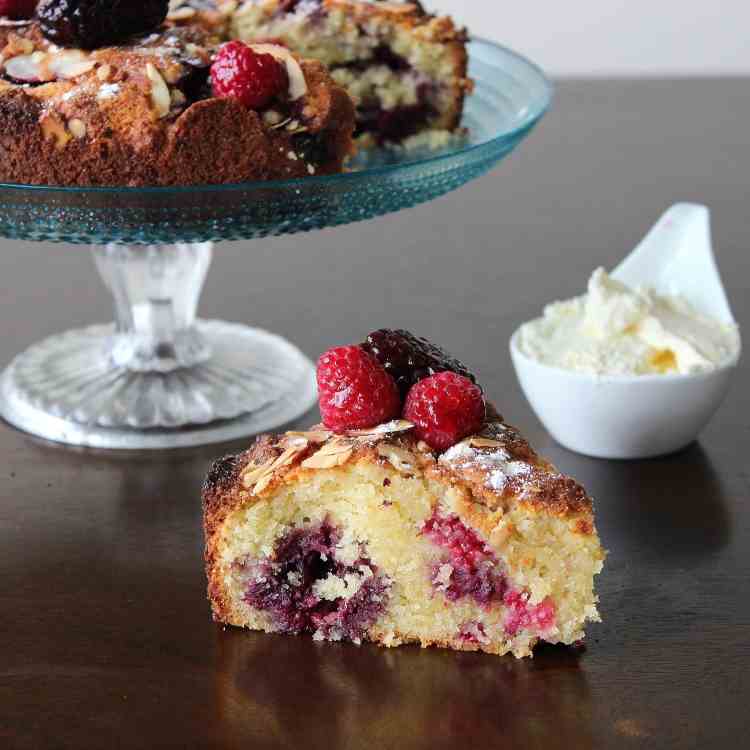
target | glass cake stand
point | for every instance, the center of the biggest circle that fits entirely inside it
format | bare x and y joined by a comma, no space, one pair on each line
160,377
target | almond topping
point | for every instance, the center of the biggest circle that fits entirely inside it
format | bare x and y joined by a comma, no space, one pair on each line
160,96
314,436
322,460
400,459
104,72
249,478
77,128
481,442
181,14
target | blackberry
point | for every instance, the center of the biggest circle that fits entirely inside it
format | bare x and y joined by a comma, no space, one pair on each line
409,358
89,24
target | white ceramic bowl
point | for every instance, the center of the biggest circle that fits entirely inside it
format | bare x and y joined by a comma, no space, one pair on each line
640,416
637,416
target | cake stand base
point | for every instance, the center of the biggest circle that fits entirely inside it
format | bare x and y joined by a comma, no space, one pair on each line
158,377
64,389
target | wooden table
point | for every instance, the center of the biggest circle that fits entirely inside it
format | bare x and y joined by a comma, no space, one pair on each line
105,635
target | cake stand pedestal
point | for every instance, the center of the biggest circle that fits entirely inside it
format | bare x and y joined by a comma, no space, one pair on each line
161,378
158,377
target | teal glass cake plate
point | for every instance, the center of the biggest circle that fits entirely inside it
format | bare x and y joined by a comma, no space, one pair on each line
162,378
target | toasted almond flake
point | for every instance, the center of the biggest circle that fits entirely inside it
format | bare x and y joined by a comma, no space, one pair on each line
297,82
482,442
104,72
77,128
292,125
228,7
386,428
181,14
160,96
249,478
287,456
314,436
262,483
322,460
271,117
335,447
422,447
399,458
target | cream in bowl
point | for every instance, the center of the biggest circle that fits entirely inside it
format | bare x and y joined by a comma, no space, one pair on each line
639,364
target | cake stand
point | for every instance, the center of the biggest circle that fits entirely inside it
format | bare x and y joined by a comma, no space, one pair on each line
159,377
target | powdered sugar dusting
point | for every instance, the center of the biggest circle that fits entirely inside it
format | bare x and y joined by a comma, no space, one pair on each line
497,463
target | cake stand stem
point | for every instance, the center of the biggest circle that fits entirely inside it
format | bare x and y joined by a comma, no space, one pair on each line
159,377
156,291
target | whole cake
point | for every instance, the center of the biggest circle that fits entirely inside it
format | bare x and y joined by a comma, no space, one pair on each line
95,93
414,513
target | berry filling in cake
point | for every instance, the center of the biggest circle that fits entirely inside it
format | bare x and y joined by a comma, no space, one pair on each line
413,513
404,69
305,587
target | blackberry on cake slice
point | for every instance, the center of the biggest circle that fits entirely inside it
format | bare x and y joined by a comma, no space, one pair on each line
405,69
448,530
148,111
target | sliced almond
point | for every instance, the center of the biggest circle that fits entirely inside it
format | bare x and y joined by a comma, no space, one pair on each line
26,68
335,447
181,14
249,478
400,459
314,436
482,442
104,72
387,428
263,482
321,460
422,447
77,128
67,64
297,82
160,96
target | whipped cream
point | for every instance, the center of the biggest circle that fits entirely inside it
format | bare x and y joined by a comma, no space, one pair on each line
616,330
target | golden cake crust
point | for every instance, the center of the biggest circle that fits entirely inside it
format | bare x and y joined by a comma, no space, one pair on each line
124,120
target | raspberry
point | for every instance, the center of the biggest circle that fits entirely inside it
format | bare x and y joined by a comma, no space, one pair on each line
444,409
17,9
241,73
409,358
98,23
354,391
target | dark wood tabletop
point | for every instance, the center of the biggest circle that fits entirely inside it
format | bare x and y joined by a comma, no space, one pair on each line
105,635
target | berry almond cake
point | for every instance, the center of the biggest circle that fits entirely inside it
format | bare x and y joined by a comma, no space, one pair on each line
101,93
405,68
413,513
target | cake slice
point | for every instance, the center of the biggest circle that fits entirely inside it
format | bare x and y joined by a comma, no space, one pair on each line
405,69
376,535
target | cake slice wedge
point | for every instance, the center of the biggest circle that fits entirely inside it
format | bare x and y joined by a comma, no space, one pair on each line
371,535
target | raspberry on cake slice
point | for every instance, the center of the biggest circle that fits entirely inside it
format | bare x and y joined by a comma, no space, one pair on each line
405,69
92,94
440,526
